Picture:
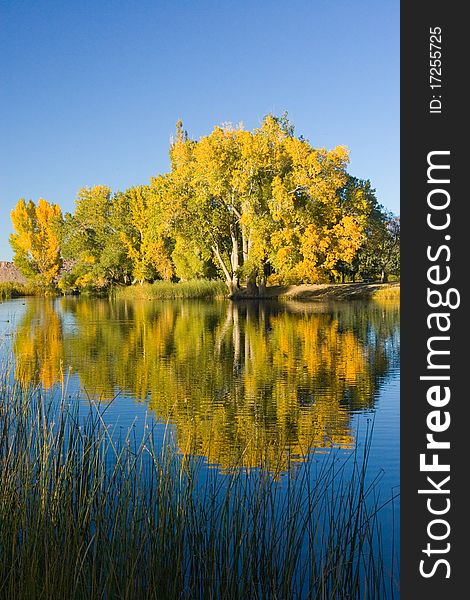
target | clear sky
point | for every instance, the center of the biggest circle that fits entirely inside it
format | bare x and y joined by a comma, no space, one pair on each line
90,90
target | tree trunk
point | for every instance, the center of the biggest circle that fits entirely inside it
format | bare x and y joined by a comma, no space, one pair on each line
245,245
262,288
234,254
251,286
234,257
384,276
230,277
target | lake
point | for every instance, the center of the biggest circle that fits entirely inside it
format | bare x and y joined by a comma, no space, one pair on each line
236,385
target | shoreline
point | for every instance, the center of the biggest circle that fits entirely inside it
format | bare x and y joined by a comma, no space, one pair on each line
323,291
303,293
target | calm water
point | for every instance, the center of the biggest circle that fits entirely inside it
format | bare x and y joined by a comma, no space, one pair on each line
234,383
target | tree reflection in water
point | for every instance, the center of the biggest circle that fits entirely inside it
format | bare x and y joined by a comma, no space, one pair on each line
242,382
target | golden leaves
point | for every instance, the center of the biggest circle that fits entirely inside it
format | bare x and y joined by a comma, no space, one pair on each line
36,240
245,202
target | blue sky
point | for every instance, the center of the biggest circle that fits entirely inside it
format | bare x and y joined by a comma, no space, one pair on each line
91,90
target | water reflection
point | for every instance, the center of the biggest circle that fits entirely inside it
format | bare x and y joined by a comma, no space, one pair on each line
39,345
240,382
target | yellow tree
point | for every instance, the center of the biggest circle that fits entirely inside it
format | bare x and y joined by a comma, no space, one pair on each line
265,200
219,189
36,241
143,232
263,161
321,215
202,201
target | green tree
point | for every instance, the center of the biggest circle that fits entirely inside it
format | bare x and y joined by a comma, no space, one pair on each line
380,255
190,261
91,240
357,199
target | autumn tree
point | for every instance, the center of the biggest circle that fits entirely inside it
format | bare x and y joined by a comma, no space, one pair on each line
243,204
263,197
190,260
92,242
139,220
358,200
380,254
36,240
312,230
205,205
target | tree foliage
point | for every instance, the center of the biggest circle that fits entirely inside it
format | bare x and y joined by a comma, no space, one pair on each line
36,242
143,233
380,254
253,206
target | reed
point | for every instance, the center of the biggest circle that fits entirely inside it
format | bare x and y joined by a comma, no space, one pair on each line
15,290
389,293
88,513
165,290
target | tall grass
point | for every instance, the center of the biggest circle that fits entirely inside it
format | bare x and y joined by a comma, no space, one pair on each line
164,290
15,290
389,293
87,514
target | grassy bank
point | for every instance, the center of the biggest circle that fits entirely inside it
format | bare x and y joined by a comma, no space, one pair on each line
202,288
87,515
16,290
163,290
209,289
325,291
